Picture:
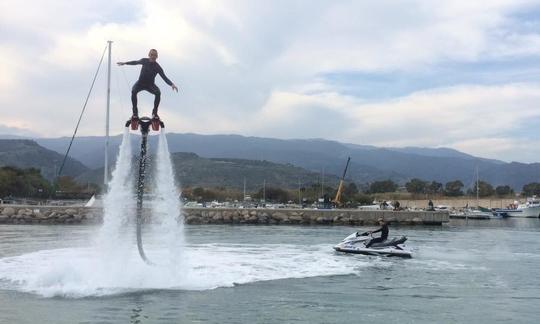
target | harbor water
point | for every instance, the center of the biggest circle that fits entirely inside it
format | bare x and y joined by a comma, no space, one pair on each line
475,271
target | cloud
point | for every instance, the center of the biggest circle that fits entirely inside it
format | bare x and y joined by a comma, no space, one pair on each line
258,68
463,117
506,149
9,132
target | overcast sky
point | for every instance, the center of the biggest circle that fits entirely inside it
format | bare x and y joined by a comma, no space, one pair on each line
459,74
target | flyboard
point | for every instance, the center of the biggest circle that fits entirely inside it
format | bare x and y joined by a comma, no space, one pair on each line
144,124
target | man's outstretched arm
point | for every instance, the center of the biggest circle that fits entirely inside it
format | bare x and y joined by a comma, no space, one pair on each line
130,62
169,82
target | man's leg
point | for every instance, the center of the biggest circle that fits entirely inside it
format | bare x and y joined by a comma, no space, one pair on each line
157,98
136,89
374,240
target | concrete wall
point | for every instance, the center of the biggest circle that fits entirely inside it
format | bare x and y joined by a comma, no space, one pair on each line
82,215
458,203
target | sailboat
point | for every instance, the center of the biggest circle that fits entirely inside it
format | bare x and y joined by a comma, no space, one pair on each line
478,212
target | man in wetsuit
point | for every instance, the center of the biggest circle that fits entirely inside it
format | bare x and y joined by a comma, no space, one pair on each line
384,233
150,68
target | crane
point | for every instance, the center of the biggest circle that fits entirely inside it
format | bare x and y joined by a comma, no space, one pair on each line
337,199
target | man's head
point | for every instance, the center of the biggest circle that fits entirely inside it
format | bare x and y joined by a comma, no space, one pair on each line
153,55
381,221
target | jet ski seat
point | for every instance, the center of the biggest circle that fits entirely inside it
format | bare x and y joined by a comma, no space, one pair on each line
393,242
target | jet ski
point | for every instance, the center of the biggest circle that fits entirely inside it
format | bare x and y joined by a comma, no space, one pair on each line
356,243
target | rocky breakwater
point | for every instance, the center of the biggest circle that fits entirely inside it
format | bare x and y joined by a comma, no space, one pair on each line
10,214
49,215
310,216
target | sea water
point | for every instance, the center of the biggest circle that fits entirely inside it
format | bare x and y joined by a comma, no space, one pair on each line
475,271
480,272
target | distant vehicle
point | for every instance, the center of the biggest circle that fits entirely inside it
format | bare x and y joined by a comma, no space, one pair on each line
441,207
193,204
370,207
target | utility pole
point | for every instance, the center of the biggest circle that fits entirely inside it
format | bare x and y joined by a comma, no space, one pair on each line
322,183
106,172
264,191
299,194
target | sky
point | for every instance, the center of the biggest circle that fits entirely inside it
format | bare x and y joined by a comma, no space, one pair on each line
460,74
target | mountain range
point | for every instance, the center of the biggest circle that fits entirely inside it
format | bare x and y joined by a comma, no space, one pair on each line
28,154
368,163
192,170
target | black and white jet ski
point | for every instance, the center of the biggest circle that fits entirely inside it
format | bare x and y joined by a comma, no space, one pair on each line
356,243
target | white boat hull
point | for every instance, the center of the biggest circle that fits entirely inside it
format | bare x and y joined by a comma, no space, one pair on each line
529,212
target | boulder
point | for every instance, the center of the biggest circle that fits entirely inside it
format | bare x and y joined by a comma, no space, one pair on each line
8,211
327,219
193,220
279,216
263,218
296,219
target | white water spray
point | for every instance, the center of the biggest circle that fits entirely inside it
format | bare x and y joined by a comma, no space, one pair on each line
118,203
166,207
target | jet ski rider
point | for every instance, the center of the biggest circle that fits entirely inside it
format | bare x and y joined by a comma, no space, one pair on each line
384,233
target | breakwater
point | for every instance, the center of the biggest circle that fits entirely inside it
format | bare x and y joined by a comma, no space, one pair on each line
83,215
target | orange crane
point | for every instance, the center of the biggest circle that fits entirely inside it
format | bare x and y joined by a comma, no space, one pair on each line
337,199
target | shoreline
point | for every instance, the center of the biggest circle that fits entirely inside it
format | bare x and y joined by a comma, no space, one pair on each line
53,215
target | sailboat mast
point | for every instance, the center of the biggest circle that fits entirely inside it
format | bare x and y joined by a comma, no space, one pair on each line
106,166
477,188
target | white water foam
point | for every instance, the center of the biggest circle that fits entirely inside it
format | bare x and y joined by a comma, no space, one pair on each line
76,272
168,223
113,241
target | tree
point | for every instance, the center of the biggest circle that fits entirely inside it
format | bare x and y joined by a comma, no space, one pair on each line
502,191
383,186
67,184
453,188
23,183
363,199
416,186
350,190
201,194
273,194
434,188
486,189
531,189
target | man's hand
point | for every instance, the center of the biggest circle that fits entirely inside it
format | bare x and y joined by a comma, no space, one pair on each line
174,87
120,63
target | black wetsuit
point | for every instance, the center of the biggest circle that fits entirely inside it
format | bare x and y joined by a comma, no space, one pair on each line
382,238
146,82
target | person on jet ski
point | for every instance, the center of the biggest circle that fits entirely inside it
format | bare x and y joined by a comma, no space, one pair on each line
384,233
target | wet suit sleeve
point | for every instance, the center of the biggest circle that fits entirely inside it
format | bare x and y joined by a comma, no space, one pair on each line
133,62
380,229
164,77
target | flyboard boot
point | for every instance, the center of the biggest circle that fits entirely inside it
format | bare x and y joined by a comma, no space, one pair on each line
134,122
155,121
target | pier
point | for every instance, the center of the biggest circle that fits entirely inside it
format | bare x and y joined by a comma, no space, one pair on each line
13,214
